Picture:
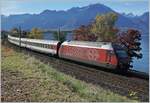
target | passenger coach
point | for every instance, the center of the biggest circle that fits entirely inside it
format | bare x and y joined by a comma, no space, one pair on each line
44,46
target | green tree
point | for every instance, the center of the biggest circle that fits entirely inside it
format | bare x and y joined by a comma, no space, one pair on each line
35,34
103,27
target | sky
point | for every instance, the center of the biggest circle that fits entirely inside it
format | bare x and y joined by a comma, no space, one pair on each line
9,7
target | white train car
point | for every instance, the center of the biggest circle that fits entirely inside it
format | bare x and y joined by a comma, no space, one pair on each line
44,46
13,40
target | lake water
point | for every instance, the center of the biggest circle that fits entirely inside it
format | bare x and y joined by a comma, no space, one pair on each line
143,64
138,64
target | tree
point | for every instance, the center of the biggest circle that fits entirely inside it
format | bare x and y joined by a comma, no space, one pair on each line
130,40
103,27
15,32
35,34
83,34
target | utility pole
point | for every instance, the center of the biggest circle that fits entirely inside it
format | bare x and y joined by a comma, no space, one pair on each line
20,37
58,34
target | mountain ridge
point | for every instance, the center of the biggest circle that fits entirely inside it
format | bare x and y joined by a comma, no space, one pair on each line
70,19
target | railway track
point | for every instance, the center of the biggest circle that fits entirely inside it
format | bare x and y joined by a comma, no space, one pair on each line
126,85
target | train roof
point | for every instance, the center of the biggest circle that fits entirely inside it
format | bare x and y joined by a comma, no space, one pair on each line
35,40
11,37
102,45
41,41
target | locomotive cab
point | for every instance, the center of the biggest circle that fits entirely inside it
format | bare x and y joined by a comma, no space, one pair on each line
122,56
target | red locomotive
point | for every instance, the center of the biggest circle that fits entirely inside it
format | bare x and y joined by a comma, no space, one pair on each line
96,53
103,54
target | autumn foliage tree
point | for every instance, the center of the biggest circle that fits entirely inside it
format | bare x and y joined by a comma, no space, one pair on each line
35,34
130,40
83,34
104,27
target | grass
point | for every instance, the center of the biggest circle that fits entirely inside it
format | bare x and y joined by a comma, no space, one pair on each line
42,83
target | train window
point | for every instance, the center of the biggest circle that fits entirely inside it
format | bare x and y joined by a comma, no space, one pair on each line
50,46
45,45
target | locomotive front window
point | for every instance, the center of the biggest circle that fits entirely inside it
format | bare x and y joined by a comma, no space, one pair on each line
121,53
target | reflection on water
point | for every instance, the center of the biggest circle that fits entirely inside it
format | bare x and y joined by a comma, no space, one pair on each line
138,64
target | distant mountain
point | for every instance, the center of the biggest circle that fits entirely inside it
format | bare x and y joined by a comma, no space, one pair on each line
128,15
70,19
142,22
